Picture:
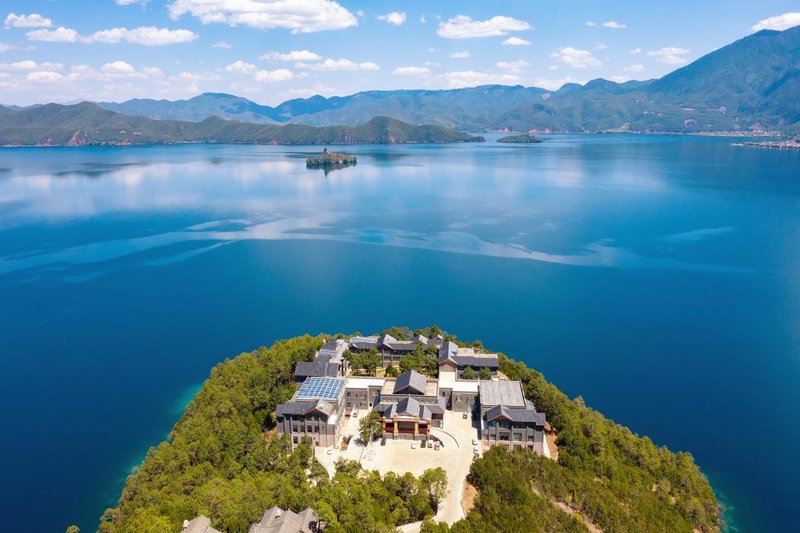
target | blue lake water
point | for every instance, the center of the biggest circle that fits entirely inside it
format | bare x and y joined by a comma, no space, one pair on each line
658,277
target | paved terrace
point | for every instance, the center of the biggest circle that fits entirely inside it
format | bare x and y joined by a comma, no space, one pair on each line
397,456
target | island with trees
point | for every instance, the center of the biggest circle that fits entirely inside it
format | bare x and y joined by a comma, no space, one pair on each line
523,138
224,460
330,160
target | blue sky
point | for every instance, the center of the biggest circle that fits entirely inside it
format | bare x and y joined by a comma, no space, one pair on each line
273,50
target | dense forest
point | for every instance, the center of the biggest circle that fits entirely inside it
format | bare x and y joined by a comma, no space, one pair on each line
224,460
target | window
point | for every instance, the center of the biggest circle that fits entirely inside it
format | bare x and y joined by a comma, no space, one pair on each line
503,436
530,437
295,440
294,428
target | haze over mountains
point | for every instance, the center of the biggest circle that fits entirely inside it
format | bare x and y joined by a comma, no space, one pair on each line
753,83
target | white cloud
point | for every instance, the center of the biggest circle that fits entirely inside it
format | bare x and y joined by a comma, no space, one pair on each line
330,65
635,51
471,78
398,18
422,19
280,74
463,27
779,23
600,46
299,16
460,55
516,41
512,67
222,44
294,55
240,67
669,55
576,58
591,24
5,47
411,71
614,25
59,35
118,67
34,20
620,79
29,64
130,2
638,67
45,77
144,35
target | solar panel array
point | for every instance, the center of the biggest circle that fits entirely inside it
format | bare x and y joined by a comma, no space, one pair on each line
327,388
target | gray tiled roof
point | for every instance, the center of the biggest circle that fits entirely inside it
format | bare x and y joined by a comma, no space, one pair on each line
477,361
516,414
200,524
411,382
405,408
440,407
276,520
303,407
408,407
320,367
447,351
507,393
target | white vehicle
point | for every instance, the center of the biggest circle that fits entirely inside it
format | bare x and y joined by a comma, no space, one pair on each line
474,441
355,413
413,445
330,451
475,450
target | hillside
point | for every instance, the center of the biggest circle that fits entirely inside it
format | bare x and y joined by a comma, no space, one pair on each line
87,124
753,83
196,109
222,460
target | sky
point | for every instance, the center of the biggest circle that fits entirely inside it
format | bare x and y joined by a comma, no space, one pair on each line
273,50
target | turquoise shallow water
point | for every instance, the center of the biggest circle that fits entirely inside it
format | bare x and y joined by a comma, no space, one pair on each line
655,276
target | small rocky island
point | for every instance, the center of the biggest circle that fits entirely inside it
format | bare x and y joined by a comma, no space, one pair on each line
330,160
524,138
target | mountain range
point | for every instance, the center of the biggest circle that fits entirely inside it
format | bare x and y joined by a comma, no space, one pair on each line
751,84
87,124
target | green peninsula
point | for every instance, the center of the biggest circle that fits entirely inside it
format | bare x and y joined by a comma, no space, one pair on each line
231,456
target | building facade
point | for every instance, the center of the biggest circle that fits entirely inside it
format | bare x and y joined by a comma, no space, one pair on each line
508,419
315,411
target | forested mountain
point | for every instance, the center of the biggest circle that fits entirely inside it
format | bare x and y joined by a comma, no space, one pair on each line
753,83
87,124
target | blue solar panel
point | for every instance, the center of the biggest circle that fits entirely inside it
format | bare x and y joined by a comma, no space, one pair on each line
327,388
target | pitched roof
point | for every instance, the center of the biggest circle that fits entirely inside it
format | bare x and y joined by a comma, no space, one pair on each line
477,361
200,524
406,408
447,351
516,414
364,343
507,393
296,407
439,407
411,382
276,520
320,367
